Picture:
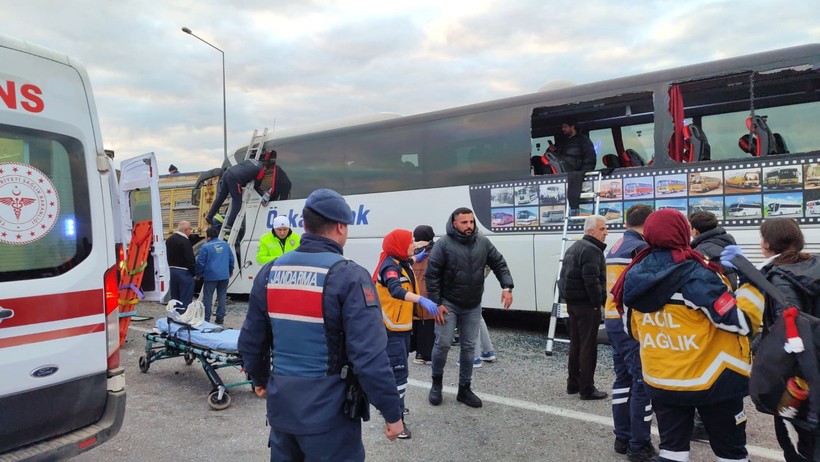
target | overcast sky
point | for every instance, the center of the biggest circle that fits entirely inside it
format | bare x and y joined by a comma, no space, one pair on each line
301,62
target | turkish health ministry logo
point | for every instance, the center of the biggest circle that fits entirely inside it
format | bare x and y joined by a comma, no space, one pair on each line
29,204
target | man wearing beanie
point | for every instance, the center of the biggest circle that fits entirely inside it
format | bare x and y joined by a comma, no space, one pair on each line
694,338
279,240
455,281
324,313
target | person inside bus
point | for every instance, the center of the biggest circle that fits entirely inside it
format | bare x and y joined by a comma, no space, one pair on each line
278,241
575,151
576,154
233,182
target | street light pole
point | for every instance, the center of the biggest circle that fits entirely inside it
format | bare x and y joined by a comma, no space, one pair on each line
224,103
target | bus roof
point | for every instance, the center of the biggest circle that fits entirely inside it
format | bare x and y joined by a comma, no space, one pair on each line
763,61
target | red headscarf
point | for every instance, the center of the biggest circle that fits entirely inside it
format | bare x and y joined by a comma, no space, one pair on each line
665,229
395,244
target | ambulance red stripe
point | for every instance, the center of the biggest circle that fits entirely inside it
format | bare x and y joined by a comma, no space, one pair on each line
53,307
51,335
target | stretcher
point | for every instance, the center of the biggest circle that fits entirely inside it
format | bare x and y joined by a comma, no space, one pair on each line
132,270
213,346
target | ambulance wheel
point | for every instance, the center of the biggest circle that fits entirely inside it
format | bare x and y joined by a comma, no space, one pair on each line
144,364
189,358
219,404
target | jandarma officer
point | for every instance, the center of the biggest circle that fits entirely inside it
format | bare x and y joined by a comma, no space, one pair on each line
323,318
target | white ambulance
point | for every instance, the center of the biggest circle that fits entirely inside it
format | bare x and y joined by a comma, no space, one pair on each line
62,389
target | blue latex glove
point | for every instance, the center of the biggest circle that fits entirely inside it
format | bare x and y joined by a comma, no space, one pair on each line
729,252
428,305
421,256
265,200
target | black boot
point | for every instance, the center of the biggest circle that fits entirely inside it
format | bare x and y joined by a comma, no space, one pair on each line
435,391
466,396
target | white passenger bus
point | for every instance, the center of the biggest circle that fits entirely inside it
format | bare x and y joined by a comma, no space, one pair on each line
62,389
407,171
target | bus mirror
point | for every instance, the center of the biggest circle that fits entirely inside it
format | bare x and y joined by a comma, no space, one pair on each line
109,153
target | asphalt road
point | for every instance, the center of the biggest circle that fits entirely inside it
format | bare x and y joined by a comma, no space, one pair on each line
527,415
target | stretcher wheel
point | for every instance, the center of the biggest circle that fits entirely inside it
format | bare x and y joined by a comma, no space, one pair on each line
144,364
219,404
189,358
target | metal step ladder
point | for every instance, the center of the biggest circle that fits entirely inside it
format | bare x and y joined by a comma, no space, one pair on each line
255,149
559,310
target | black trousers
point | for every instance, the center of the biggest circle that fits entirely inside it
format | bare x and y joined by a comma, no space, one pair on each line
575,181
424,335
725,423
584,321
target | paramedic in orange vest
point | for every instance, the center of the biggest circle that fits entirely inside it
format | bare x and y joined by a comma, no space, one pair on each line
396,286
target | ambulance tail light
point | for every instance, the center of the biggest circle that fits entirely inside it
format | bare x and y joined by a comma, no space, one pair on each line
112,316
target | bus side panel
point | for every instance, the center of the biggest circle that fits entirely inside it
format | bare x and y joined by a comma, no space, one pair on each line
516,250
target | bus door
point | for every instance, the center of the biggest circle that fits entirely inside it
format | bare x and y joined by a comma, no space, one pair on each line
139,202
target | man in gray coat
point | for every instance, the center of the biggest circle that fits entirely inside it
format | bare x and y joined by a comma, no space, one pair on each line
455,282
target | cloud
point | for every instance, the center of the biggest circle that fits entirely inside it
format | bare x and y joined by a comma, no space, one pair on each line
292,64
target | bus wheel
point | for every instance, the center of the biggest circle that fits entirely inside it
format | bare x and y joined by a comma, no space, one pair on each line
144,364
219,404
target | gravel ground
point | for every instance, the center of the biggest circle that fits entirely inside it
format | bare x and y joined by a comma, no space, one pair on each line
527,415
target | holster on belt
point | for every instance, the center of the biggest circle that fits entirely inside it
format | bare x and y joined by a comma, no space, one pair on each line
356,405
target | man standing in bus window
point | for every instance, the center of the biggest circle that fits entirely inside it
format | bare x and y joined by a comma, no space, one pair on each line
631,408
576,151
324,312
181,260
455,282
582,284
577,156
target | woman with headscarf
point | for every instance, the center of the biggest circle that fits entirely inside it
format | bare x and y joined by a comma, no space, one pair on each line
396,286
694,337
796,275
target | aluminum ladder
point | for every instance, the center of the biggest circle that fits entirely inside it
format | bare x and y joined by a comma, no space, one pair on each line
559,309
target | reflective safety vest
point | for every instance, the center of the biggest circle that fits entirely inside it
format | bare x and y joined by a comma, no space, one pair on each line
397,314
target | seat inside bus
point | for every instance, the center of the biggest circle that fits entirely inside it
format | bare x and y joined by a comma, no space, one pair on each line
695,144
761,141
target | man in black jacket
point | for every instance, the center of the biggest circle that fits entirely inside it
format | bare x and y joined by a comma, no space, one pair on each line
455,282
582,284
710,239
181,260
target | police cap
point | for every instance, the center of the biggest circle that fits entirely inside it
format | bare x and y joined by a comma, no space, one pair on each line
331,205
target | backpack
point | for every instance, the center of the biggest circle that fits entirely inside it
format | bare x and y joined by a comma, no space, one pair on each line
773,366
791,348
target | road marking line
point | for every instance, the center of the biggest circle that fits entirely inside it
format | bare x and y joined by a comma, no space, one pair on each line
755,451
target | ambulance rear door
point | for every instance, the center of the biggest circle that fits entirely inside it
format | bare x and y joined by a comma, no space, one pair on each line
139,201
